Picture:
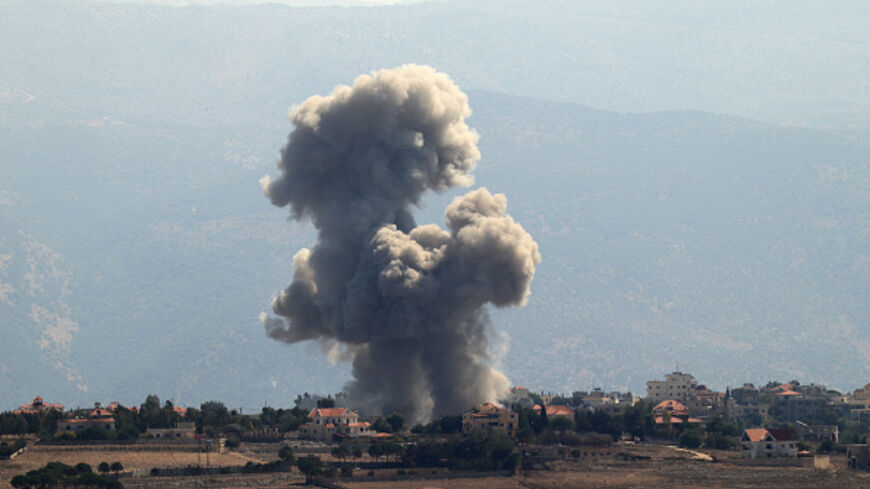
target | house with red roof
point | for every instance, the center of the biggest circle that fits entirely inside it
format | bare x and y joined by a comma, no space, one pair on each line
555,410
98,418
674,412
768,443
36,406
328,424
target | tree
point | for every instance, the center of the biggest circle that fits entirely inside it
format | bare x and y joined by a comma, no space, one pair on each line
286,454
827,446
396,421
83,468
326,402
149,412
381,425
214,414
104,468
309,466
117,467
376,450
340,452
561,423
450,423
690,438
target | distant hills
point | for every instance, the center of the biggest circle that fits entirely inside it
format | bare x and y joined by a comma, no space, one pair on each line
136,249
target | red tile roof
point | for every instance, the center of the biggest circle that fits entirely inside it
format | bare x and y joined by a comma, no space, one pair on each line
788,393
756,434
778,434
327,412
100,413
671,406
553,410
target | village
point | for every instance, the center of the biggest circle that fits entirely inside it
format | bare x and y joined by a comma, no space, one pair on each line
526,438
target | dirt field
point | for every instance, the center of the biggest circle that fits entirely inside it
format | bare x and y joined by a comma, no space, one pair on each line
665,468
36,457
239,481
484,483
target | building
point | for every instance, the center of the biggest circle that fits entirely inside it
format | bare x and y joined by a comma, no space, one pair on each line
674,412
734,410
488,418
789,405
706,402
184,432
817,432
520,396
677,385
768,443
858,410
328,424
554,410
38,405
858,457
98,418
745,395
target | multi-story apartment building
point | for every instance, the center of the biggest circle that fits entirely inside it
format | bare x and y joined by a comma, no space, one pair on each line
677,385
489,417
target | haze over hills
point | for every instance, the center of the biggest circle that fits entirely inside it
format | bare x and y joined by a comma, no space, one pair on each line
136,249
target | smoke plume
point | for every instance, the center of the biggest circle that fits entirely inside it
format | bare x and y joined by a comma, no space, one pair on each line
403,302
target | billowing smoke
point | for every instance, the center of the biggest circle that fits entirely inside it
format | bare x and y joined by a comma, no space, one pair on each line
403,302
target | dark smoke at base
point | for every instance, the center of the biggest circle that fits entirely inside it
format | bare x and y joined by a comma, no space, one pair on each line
403,302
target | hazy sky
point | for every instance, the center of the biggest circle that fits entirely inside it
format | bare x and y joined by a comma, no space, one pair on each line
183,3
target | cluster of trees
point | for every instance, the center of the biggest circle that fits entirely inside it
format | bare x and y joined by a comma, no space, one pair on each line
444,425
283,420
493,451
6,449
537,427
390,424
481,452
597,428
212,418
42,423
56,474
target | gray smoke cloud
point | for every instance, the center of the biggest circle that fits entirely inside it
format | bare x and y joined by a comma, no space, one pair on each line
404,303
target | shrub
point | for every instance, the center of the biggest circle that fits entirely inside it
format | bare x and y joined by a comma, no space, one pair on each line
690,438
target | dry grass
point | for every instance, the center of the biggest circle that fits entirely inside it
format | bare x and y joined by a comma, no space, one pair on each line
36,457
665,469
233,481
482,483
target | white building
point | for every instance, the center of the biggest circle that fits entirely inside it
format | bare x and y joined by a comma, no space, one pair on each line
518,395
328,423
677,385
183,432
768,443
